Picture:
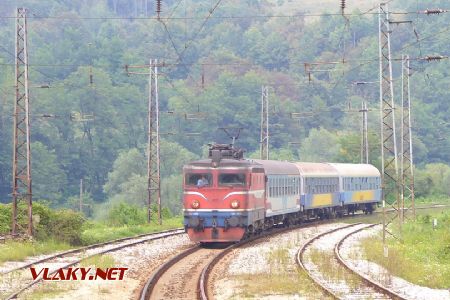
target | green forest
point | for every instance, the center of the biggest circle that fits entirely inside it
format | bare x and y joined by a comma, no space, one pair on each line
218,54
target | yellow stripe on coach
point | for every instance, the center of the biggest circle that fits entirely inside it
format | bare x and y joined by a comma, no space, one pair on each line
363,196
322,199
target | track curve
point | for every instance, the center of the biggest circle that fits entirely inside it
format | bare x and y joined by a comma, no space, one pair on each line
366,279
331,274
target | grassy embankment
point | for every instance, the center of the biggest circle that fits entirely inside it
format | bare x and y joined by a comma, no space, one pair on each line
423,255
96,232
90,233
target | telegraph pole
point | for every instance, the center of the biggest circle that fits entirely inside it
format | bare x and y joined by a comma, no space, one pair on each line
264,141
364,134
389,163
21,172
153,137
81,195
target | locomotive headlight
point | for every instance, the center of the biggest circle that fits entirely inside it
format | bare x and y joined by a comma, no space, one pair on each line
235,204
195,204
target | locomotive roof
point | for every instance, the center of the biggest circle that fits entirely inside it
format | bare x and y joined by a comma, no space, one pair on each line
316,169
227,163
356,170
273,167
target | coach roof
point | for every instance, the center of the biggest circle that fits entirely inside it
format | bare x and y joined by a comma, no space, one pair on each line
356,170
310,169
273,167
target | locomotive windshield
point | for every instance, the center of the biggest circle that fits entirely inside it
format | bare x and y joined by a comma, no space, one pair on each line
232,179
198,179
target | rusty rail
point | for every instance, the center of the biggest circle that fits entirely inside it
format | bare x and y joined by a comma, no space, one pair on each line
365,278
301,263
152,237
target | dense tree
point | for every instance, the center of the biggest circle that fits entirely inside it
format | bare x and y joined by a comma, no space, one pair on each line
45,168
214,69
320,146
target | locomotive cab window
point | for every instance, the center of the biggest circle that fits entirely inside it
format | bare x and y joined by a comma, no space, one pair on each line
198,179
232,179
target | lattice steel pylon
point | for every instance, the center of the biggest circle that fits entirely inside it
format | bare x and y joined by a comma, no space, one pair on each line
153,136
364,134
153,149
407,166
264,141
389,162
21,171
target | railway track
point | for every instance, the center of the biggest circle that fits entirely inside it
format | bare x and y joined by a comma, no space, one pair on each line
324,265
196,264
192,268
177,278
73,257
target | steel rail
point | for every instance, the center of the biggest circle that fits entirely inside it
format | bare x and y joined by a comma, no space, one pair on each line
151,282
377,286
300,258
82,249
152,237
204,277
203,282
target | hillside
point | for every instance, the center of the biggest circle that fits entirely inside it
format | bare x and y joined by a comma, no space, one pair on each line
312,6
214,66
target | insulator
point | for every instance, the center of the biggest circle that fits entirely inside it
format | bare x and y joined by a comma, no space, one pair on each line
158,6
437,57
342,4
434,11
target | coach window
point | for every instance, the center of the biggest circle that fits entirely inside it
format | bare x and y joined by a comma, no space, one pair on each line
193,179
232,179
281,187
277,186
274,186
269,185
286,191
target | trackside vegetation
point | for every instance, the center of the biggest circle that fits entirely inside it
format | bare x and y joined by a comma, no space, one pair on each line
62,229
423,255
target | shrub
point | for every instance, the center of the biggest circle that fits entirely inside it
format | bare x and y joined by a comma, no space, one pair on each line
60,225
5,218
66,226
126,214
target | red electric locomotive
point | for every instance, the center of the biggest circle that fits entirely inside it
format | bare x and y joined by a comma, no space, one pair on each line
227,197
223,196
